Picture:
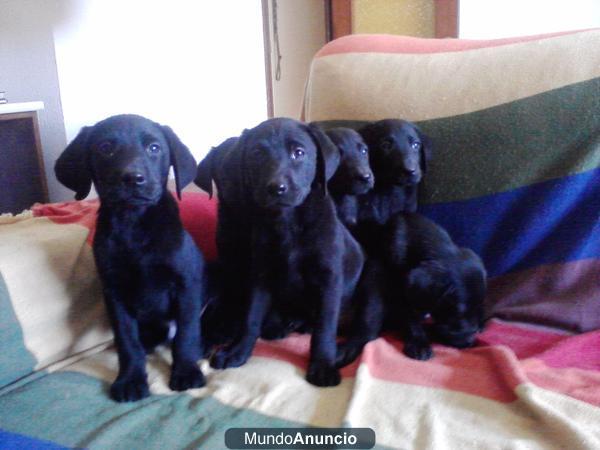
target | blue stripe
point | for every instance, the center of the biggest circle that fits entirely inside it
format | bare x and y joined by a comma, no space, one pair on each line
550,222
13,441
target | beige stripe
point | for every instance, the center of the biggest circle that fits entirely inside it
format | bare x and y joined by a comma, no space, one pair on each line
372,86
416,417
268,386
51,279
403,416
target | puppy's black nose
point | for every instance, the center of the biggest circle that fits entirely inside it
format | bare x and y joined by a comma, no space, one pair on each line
133,178
365,176
277,189
409,171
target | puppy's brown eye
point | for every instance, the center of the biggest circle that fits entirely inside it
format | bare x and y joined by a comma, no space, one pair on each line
106,148
363,150
154,148
297,153
416,145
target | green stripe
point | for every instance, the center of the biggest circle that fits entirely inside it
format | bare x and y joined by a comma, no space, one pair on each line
74,410
15,359
545,136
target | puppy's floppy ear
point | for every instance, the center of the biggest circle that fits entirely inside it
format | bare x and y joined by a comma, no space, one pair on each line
426,150
204,173
328,155
72,167
207,169
184,164
370,132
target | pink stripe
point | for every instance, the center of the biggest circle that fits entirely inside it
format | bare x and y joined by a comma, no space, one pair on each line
583,385
386,43
506,356
581,351
486,372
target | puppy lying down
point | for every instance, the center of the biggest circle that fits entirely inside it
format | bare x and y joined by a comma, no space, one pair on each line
423,276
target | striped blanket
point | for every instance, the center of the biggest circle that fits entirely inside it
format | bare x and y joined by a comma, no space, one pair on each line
515,176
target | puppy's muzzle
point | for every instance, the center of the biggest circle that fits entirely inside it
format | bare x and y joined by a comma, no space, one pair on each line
462,338
364,177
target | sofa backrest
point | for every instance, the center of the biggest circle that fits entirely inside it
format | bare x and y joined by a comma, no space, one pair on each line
515,173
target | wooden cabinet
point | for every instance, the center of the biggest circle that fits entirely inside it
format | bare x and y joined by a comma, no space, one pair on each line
22,176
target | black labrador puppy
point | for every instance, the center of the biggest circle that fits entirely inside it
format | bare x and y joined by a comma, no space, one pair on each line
423,275
150,268
398,155
224,314
353,176
440,279
305,263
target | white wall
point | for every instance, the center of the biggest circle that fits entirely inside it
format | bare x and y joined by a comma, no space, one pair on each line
489,19
197,66
28,72
301,34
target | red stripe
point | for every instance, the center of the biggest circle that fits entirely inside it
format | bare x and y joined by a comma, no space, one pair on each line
386,43
68,213
198,214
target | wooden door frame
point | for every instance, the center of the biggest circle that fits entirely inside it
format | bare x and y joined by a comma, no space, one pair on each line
446,18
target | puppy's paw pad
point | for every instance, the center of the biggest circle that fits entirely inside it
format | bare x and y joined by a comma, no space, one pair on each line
223,359
323,376
187,379
420,351
129,390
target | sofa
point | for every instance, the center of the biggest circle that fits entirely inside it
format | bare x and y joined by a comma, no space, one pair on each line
515,176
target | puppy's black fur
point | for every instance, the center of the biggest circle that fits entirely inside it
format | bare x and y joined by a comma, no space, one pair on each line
423,273
150,268
353,176
224,315
305,263
398,156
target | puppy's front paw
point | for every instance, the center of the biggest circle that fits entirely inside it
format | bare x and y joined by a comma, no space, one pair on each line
322,375
229,357
188,378
418,350
129,389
